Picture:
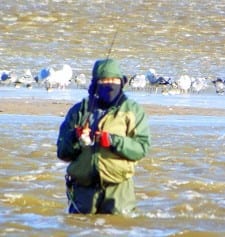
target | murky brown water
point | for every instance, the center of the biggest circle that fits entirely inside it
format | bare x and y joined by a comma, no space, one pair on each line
180,186
174,37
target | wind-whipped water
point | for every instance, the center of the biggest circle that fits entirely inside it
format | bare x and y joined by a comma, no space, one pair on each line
179,186
172,37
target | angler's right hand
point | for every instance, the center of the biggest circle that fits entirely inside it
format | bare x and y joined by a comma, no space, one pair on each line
83,134
78,132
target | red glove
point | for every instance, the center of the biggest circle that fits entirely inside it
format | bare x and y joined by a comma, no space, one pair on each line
78,132
83,134
103,138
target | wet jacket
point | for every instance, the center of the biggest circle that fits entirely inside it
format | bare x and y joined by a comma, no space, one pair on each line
130,141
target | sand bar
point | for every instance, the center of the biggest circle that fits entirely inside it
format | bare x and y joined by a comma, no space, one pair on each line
60,108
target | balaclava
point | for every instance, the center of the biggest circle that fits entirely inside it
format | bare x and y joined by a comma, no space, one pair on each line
109,92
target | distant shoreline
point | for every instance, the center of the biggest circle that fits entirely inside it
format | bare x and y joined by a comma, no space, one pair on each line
60,108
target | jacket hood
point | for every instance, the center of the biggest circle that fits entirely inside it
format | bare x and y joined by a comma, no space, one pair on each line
106,68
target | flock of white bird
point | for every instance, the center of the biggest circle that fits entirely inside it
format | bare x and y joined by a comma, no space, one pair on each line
49,78
182,85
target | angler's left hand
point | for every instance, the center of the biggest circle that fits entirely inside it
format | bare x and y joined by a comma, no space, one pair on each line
103,138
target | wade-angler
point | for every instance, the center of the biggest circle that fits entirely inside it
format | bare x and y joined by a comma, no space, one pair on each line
102,138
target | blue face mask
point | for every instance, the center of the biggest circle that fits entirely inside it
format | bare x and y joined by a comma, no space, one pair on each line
108,93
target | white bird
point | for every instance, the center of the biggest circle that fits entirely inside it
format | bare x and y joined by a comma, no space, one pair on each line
26,80
60,78
184,83
42,74
81,80
219,84
157,81
138,82
199,84
151,76
7,77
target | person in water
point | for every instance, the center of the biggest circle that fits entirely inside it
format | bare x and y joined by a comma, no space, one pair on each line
102,137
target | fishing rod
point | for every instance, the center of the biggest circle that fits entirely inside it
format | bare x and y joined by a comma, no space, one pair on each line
112,44
95,96
85,128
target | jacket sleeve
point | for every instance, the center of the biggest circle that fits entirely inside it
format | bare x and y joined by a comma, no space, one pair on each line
136,146
68,146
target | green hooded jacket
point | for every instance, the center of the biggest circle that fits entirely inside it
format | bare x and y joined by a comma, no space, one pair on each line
130,142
